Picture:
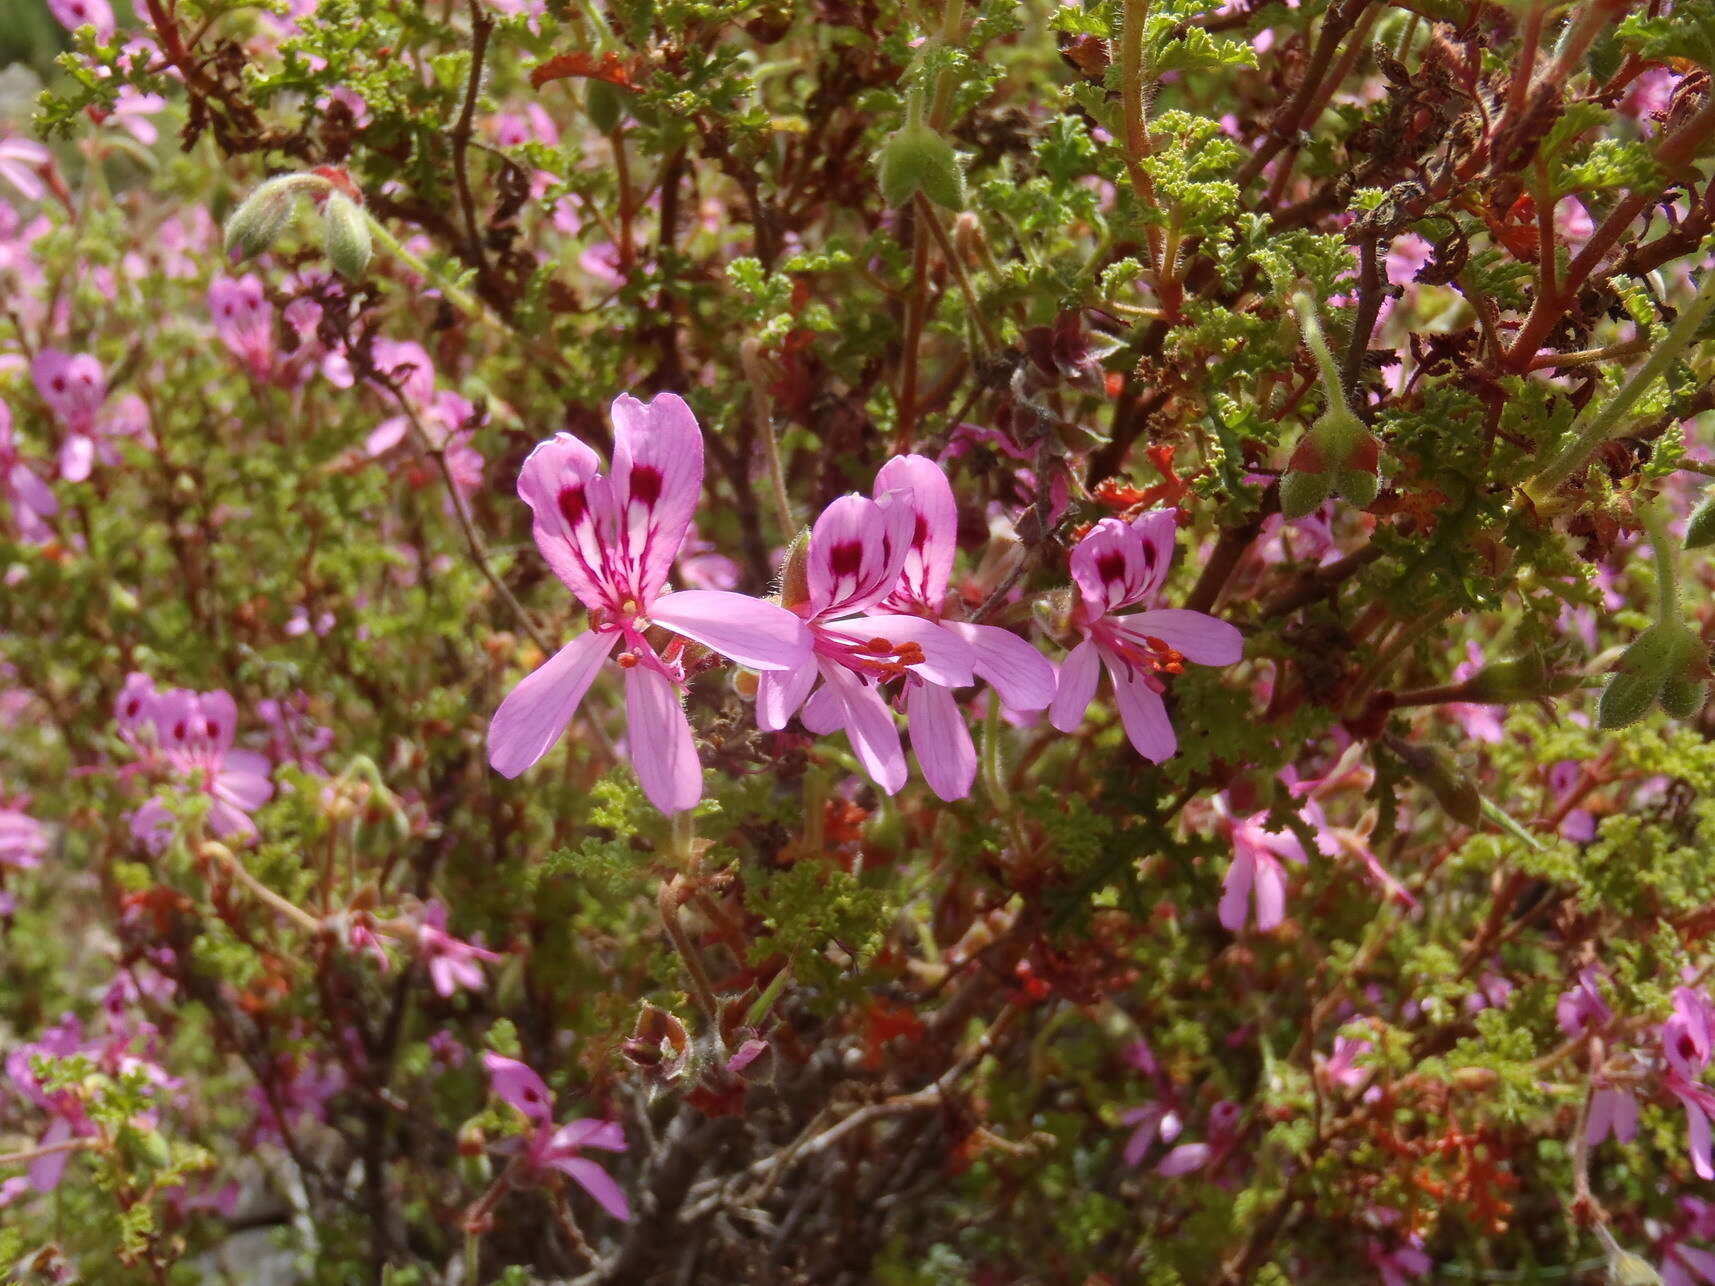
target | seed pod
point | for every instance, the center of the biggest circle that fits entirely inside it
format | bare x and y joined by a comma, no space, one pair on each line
917,159
1437,772
1700,530
795,572
1301,493
346,236
603,102
262,216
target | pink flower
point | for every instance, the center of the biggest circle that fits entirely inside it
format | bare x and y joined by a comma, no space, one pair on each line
1018,672
551,1148
1221,1133
1256,870
23,840
30,499
74,388
21,164
131,112
73,14
1398,1262
612,539
857,552
1582,1009
1119,565
194,732
452,962
244,322
1687,1039
1612,1111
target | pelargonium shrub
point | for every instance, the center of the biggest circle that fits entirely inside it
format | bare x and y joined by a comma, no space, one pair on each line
647,642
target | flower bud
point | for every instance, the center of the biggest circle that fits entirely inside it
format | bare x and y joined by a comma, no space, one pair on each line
1436,771
1700,529
262,216
603,103
1663,656
1516,680
1301,494
346,236
795,572
917,159
1683,697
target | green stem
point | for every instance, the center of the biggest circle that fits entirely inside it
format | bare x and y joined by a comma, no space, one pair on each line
1311,326
994,775
459,299
1665,551
756,375
1604,422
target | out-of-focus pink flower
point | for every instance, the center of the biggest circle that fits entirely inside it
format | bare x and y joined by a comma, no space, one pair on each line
30,500
452,962
194,732
23,840
1582,1010
1119,565
244,322
557,1148
73,14
22,161
1255,872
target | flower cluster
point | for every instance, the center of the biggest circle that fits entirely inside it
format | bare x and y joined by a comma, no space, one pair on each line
862,624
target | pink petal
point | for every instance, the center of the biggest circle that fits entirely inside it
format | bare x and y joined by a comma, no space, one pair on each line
935,536
1142,712
1116,565
1076,687
763,636
590,1132
778,695
537,711
1184,1159
515,1083
45,1172
1196,635
1697,1131
228,822
599,1184
1270,894
858,548
657,481
824,712
941,740
1022,676
77,457
869,727
573,512
661,748
33,491
1698,1261
1236,891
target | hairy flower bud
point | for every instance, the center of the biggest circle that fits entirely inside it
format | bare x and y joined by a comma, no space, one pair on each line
795,572
1700,529
603,102
1301,494
262,216
1438,772
346,236
917,159
1666,663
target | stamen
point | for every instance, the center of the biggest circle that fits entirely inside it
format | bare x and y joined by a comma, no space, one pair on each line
625,660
